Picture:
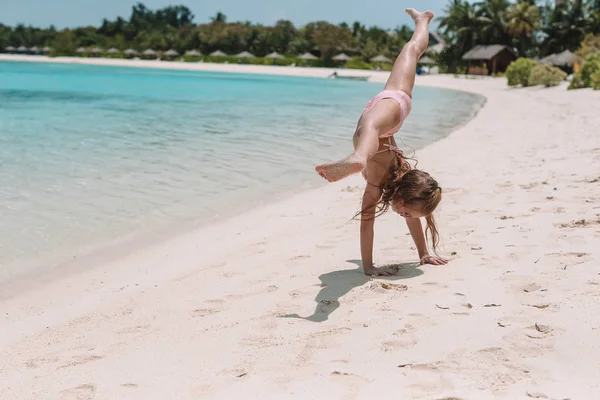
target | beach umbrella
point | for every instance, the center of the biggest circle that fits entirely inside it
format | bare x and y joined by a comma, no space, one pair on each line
342,57
245,54
130,52
149,52
381,58
112,50
47,49
307,56
22,49
97,50
9,48
426,60
274,55
218,53
81,50
193,53
34,49
171,53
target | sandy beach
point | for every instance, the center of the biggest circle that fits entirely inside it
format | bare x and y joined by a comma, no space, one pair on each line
273,304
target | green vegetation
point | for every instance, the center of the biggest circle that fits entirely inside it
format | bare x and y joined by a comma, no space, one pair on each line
519,71
546,75
533,28
588,76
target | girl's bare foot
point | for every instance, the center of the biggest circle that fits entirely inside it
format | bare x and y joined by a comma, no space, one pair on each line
338,170
416,15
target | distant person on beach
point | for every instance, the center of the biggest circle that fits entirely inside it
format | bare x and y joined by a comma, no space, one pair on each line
391,181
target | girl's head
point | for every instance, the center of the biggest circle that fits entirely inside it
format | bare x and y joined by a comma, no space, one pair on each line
412,193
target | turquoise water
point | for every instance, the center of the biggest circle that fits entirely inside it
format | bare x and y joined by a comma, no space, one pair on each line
92,153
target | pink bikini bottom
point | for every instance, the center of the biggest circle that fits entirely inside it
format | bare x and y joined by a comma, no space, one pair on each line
405,106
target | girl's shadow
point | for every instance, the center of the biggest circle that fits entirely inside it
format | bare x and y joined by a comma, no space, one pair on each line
336,284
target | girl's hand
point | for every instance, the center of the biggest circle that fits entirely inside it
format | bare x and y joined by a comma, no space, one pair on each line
433,260
373,271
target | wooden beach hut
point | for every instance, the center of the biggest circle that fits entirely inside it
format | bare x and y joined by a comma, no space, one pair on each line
486,60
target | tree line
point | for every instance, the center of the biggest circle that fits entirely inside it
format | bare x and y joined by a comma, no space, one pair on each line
533,28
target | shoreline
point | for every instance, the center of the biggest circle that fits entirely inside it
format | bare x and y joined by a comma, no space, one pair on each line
143,326
41,269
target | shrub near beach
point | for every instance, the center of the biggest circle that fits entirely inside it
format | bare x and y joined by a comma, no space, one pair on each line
518,72
589,76
547,75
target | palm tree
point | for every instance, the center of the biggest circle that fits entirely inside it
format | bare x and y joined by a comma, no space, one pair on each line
461,25
492,17
523,19
565,27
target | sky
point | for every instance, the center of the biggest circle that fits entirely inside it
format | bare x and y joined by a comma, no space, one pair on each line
71,13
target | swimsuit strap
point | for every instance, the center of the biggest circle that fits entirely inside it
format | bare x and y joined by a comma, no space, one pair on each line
391,147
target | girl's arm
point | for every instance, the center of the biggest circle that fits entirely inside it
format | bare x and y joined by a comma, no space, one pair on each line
367,232
416,231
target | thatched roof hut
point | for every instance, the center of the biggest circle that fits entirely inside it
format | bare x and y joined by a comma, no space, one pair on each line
562,59
495,57
274,55
381,58
307,56
342,57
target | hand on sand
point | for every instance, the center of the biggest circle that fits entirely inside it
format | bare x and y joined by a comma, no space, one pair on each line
373,271
434,260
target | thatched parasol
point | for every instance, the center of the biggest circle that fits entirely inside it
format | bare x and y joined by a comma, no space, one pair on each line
193,53
218,53
22,49
130,52
342,57
245,54
307,56
149,52
97,50
426,60
81,50
9,48
274,55
112,50
34,49
381,58
171,53
47,49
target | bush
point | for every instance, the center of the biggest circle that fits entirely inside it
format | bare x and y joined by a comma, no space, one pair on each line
518,71
590,68
547,75
596,80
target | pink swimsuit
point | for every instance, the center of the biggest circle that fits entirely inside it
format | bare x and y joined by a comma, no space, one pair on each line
405,106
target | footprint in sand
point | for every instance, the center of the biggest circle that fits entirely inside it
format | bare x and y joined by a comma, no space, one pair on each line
129,385
80,359
86,391
202,312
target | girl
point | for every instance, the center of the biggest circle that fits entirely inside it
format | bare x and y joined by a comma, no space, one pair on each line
391,182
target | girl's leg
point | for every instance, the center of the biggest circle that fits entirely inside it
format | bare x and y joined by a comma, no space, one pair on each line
386,113
405,68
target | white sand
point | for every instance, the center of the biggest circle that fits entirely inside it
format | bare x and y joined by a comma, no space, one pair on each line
202,315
